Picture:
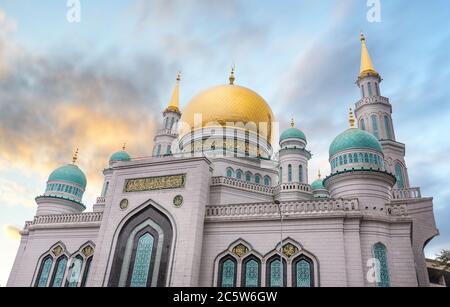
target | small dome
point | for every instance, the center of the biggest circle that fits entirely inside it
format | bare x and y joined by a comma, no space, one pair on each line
354,139
120,156
318,185
292,133
69,173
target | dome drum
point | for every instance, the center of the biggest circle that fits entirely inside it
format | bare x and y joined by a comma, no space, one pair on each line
366,159
226,141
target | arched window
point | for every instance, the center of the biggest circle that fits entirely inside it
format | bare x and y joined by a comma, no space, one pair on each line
168,150
289,173
275,276
399,176
281,175
375,129
87,269
248,176
366,158
75,272
369,86
251,272
363,124
139,276
59,272
382,272
142,251
387,127
267,181
44,272
258,179
303,272
227,272
300,173
362,91
158,150
239,174
229,172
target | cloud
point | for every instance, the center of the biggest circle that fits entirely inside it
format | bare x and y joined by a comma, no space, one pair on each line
15,194
12,232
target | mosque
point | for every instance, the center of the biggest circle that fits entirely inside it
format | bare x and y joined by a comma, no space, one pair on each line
215,206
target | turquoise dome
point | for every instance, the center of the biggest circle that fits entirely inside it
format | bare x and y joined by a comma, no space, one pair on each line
354,139
69,173
318,185
120,156
292,133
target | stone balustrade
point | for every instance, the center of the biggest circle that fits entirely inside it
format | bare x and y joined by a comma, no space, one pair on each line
66,219
411,193
300,187
248,186
287,208
396,210
101,200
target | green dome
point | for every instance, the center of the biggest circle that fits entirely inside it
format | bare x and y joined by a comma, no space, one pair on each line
292,133
120,156
69,173
354,139
318,185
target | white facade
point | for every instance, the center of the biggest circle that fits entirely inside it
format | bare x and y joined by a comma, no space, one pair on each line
211,227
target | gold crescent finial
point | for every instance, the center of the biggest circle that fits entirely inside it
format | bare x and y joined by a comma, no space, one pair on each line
292,122
351,118
124,146
232,77
179,76
320,175
363,38
75,156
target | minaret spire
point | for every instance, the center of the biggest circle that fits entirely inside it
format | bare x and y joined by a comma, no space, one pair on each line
174,104
367,68
292,122
351,118
232,77
75,156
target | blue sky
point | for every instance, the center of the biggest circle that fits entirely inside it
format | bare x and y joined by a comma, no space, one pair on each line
103,81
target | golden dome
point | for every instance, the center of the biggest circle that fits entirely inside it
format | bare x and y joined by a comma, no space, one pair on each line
229,104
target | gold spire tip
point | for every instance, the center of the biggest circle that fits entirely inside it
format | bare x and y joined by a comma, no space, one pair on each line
232,77
351,118
292,122
363,38
75,156
319,175
179,76
124,146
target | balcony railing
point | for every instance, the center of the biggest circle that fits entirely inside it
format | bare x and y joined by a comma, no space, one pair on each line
412,193
248,186
288,208
300,187
66,219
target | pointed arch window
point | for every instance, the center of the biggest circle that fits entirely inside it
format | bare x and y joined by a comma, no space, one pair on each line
251,272
276,272
363,124
300,173
258,179
44,272
239,174
75,272
399,176
382,271
387,127
229,173
87,269
59,272
248,177
289,173
227,272
281,175
369,86
267,181
141,267
375,128
303,272
158,150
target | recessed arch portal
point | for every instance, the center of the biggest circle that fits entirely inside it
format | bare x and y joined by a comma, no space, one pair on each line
142,251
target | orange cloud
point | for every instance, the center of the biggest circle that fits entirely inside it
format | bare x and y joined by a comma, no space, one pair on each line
12,232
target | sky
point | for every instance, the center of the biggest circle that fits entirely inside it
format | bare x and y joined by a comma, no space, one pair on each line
103,81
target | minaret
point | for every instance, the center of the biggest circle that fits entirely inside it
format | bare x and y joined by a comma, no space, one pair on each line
374,114
165,137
